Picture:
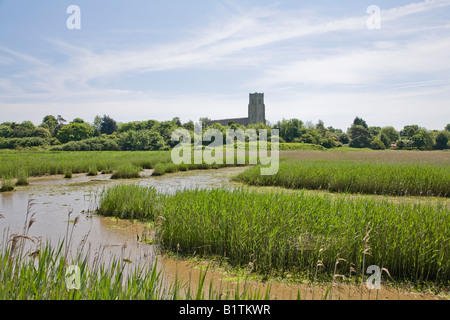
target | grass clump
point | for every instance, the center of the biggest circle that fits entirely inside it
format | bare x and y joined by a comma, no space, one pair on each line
68,174
126,172
120,202
22,179
7,184
159,169
92,171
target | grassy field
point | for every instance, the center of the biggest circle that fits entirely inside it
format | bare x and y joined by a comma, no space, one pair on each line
390,173
291,233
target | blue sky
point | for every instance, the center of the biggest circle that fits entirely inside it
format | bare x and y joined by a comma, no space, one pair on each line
140,60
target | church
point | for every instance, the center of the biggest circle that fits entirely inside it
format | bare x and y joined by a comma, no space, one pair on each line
256,112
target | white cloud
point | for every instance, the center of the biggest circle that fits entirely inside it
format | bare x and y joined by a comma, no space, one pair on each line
384,64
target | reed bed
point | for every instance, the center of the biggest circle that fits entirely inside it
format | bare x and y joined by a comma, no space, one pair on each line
32,270
386,178
39,163
289,233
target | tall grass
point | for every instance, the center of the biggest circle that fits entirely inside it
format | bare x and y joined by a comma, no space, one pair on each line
32,270
126,172
39,163
290,232
7,184
398,179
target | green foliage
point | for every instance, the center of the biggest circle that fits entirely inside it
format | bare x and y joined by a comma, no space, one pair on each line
378,144
50,123
18,143
360,136
75,132
42,133
108,125
442,140
390,135
409,131
360,122
5,131
92,144
144,140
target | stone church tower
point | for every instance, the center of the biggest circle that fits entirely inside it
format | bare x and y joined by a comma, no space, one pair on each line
256,108
256,112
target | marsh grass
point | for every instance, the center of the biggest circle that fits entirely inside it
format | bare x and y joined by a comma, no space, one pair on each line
22,178
365,177
126,172
68,174
33,270
283,233
92,171
39,163
7,184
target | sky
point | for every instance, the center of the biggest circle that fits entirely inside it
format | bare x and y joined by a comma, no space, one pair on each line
313,60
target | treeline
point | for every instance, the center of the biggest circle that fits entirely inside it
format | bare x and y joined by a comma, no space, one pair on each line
104,133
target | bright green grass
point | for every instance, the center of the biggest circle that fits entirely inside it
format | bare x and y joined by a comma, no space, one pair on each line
39,163
282,232
368,177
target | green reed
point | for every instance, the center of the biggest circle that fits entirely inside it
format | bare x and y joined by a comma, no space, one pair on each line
397,179
280,232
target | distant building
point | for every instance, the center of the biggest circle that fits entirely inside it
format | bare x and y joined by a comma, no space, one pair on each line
256,112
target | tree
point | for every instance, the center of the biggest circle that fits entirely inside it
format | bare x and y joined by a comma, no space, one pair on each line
360,136
447,127
189,125
97,125
77,120
61,123
176,121
360,122
5,131
374,131
291,129
108,125
391,134
343,138
409,131
143,140
50,123
418,141
25,129
377,144
75,132
441,140
42,133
